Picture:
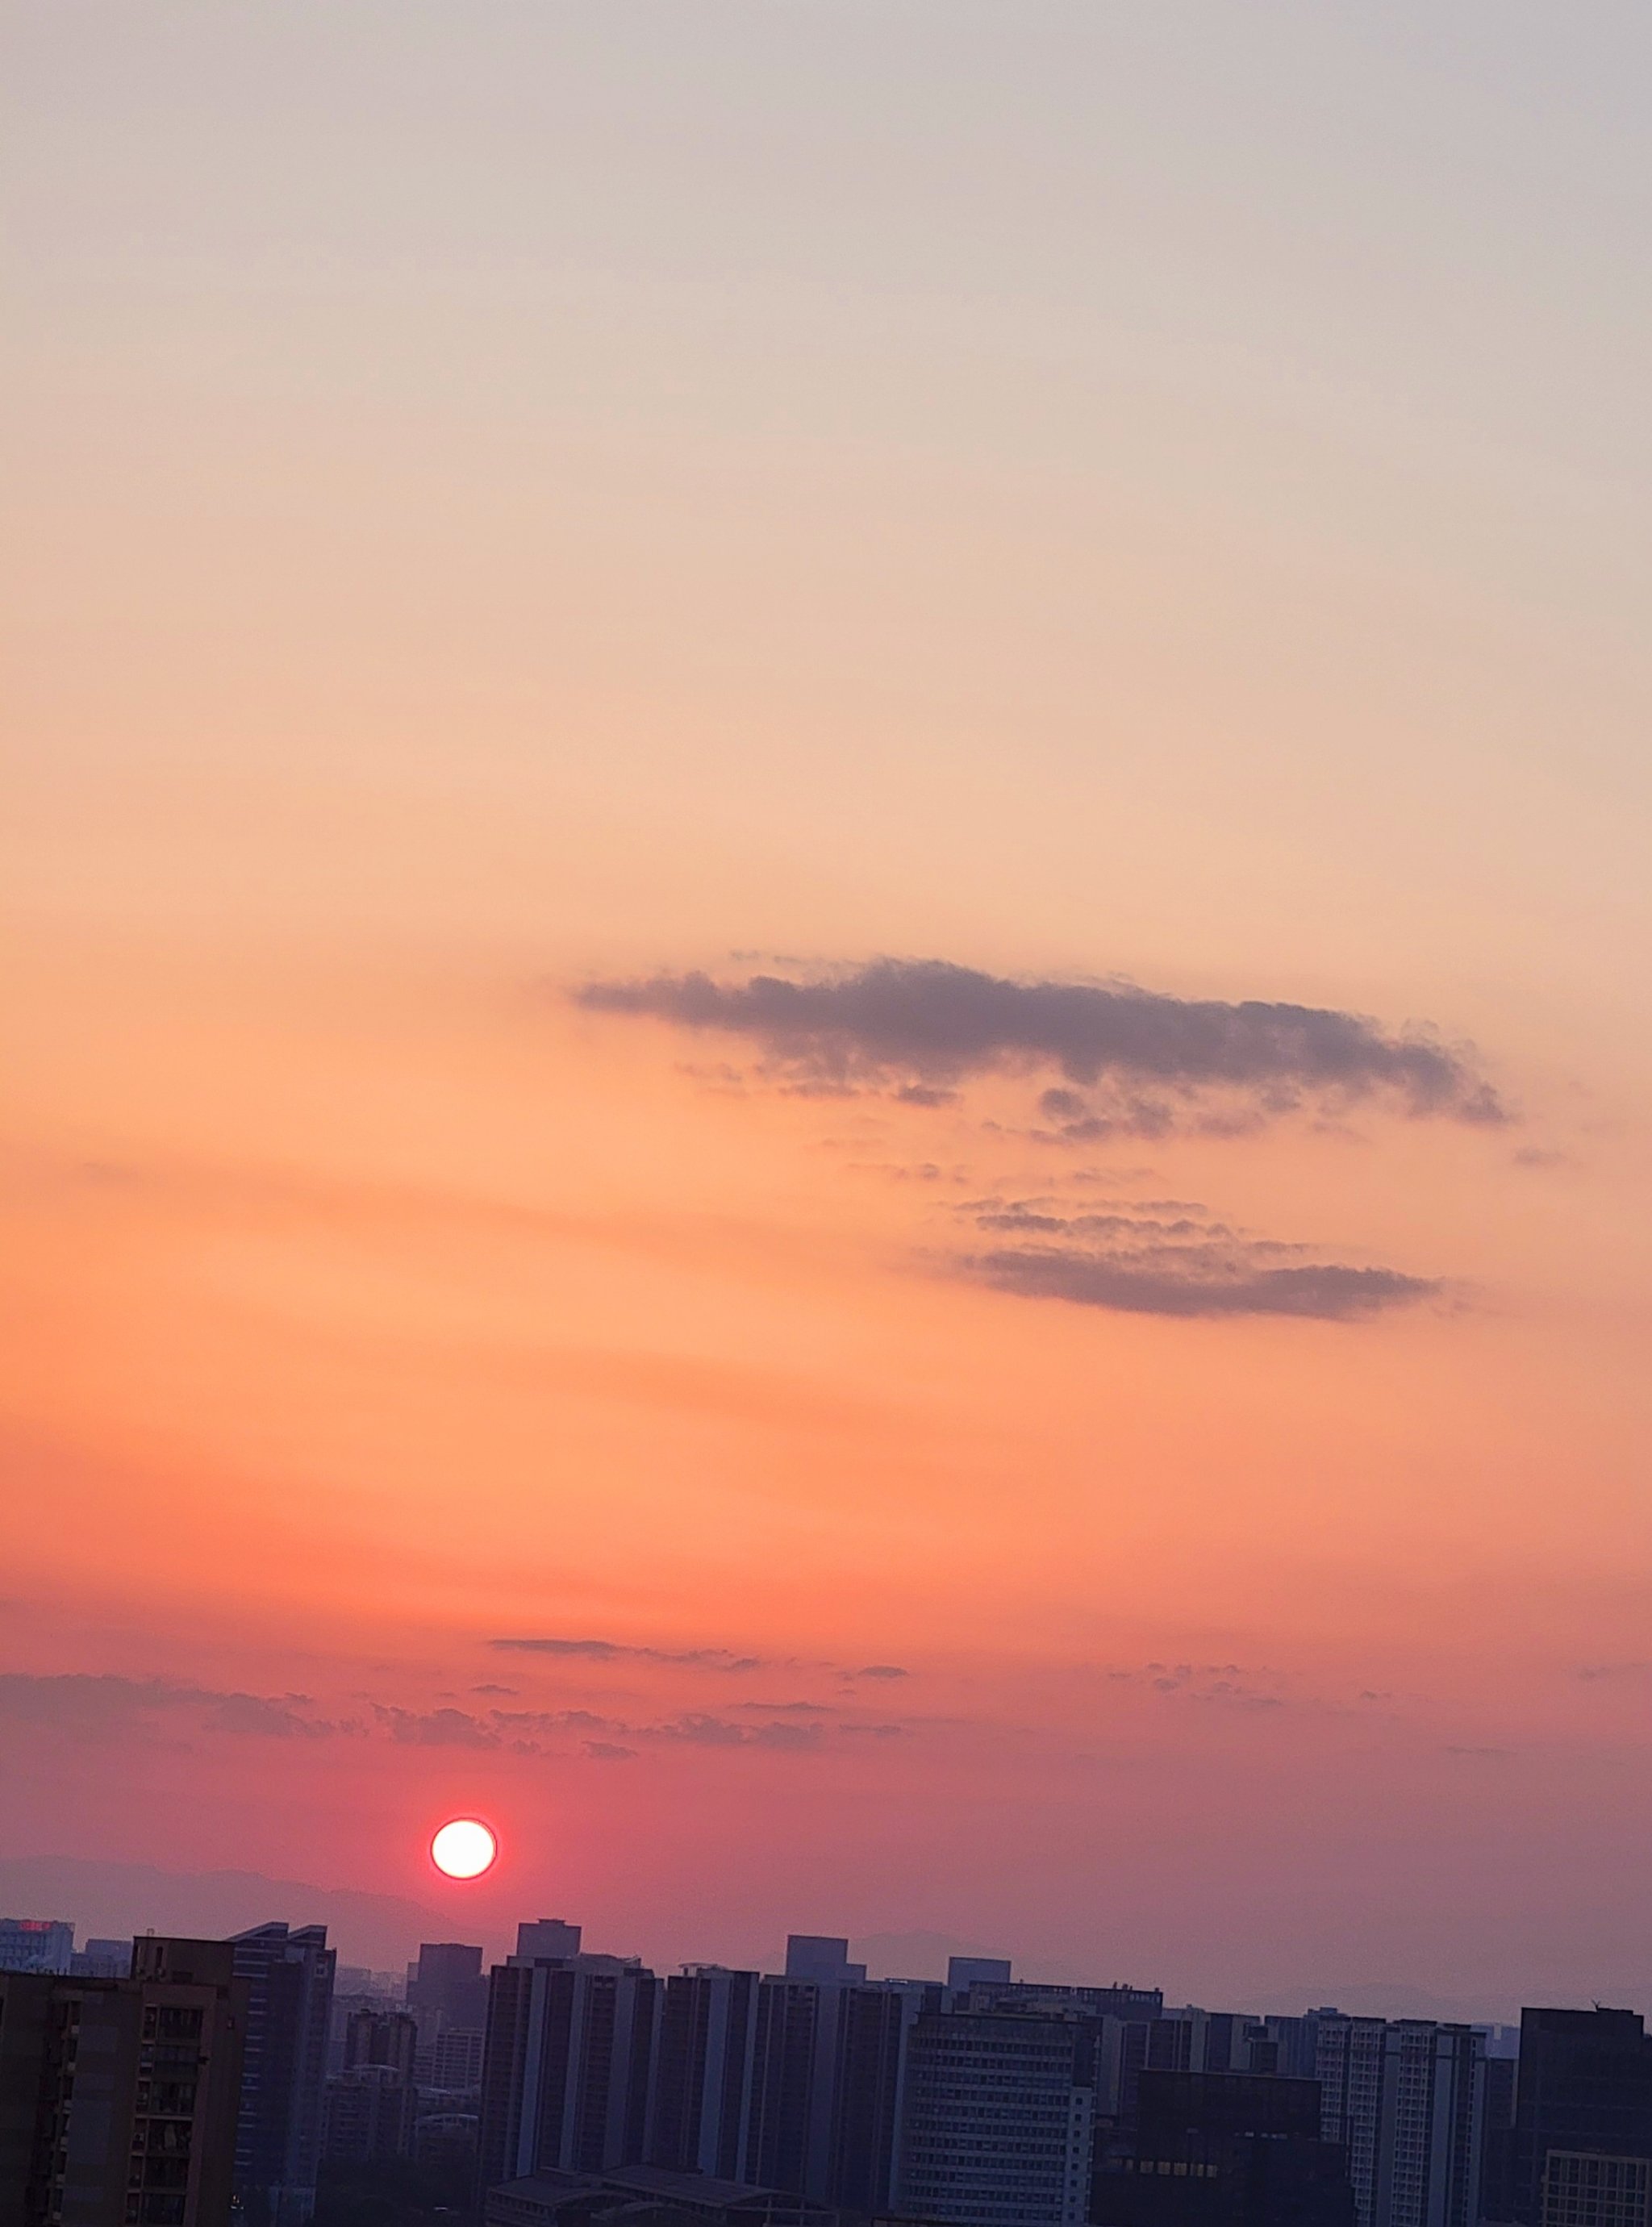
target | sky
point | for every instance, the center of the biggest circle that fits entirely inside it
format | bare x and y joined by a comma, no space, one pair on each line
826,912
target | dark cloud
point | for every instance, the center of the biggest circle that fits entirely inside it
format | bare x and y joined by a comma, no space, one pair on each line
1174,1263
85,1701
436,1727
1323,1291
903,1026
608,1751
880,1670
614,1650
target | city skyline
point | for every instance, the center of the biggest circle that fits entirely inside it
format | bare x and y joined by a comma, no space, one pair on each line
826,921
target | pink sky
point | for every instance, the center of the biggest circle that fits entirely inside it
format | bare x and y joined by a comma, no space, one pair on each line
568,501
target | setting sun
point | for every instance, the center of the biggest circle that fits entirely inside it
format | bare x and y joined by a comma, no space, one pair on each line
464,1849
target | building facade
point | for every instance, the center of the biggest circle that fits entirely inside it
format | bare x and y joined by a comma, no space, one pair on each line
997,2120
118,2098
289,1972
1407,2099
1585,2087
36,1944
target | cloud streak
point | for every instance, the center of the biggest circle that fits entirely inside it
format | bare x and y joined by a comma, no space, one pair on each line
88,1701
614,1650
1131,1061
1176,1264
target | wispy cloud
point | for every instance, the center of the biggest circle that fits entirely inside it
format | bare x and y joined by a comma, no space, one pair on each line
1131,1062
615,1650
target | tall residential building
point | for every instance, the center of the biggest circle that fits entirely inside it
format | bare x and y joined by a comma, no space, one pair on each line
36,1944
455,2060
289,1972
999,2119
1406,2097
1583,2085
703,2076
567,2069
119,2098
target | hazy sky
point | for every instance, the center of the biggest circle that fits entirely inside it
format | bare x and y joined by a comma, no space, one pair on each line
826,858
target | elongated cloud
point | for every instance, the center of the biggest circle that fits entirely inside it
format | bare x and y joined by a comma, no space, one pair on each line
615,1650
921,1026
87,1701
1173,1263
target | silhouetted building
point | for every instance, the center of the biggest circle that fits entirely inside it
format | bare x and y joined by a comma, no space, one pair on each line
547,1939
36,1944
703,2074
1497,2143
1118,2001
1223,2149
99,1959
367,2115
820,1958
278,2148
1583,2189
118,2097
385,2038
446,2141
454,2065
447,1987
998,2119
966,1972
567,2066
1584,2086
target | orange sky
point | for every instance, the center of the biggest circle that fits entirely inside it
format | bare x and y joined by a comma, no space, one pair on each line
580,502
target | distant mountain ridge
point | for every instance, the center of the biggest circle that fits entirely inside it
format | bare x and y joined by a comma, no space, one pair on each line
114,1899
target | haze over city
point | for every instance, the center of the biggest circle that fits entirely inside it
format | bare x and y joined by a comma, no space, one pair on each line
826,902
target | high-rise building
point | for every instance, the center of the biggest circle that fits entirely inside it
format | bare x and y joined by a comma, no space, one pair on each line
998,2119
567,2069
119,2097
36,1944
1584,2086
1405,2098
289,1972
703,2075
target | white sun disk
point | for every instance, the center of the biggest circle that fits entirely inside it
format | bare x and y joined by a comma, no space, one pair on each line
464,1848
